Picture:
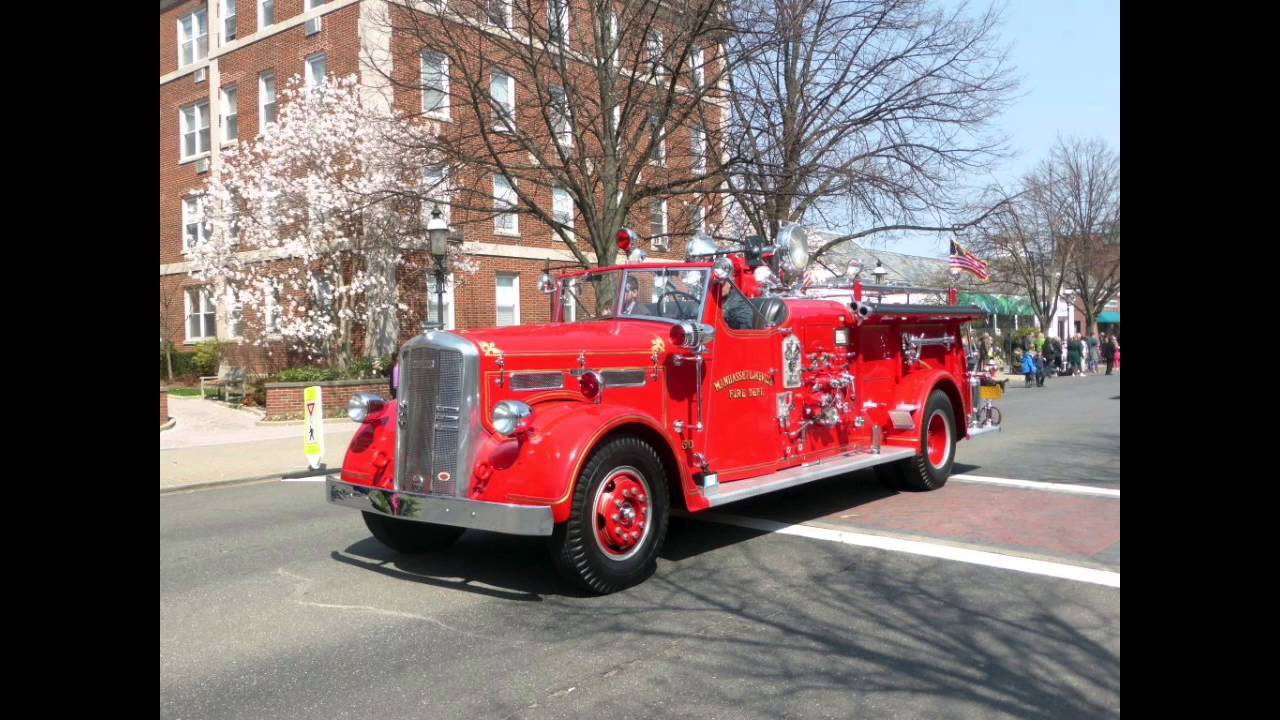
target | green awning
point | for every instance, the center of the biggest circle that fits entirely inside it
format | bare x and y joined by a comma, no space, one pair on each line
1109,318
998,304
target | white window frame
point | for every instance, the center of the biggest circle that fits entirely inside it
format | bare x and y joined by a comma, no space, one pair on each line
442,111
515,287
699,215
206,308
697,62
500,202
657,60
660,150
262,97
262,12
698,143
506,12
313,4
224,117
570,305
271,310
202,131
309,67
505,118
561,23
560,117
322,292
449,321
233,310
228,5
437,192
563,215
199,21
193,214
660,239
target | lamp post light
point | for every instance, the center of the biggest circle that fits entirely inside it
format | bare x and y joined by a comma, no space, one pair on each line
438,231
879,274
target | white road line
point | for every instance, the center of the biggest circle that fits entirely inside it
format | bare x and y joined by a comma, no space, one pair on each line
915,547
310,479
1033,485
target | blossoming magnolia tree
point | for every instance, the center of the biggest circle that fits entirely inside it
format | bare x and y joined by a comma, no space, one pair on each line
310,223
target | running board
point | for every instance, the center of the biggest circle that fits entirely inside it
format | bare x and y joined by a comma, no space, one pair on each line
742,489
976,431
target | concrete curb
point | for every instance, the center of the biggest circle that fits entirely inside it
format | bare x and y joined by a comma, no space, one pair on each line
219,483
171,423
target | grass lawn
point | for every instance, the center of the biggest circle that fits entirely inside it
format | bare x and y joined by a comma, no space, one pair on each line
185,392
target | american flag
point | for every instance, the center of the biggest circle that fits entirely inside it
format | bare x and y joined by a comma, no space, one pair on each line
967,261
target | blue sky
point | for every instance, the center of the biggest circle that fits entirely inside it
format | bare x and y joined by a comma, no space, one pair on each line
1067,54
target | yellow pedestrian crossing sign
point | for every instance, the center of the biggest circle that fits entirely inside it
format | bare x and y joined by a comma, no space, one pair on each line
313,434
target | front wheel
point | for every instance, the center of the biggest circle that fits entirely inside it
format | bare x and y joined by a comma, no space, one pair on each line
618,520
930,469
411,538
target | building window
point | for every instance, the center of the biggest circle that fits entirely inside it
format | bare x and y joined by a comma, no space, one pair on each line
699,150
202,315
436,190
658,222
435,85
504,201
266,100
659,156
315,71
228,20
570,304
558,20
502,93
697,219
195,229
433,302
235,314
653,45
193,38
270,309
508,299
499,13
322,292
562,207
230,121
560,118
699,71
194,122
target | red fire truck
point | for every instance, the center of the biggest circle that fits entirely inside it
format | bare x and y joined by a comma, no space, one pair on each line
658,385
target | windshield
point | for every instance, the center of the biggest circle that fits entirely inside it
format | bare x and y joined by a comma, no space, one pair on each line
671,294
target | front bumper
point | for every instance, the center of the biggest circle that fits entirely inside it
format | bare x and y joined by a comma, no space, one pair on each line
441,510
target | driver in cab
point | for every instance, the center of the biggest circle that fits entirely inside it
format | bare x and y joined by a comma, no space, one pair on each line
738,314
629,296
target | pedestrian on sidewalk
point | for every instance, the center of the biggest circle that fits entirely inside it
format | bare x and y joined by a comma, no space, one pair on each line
1117,339
1109,352
1094,353
1040,370
1029,366
1075,351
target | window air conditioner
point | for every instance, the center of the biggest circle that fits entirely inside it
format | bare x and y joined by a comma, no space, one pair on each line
202,74
202,166
313,26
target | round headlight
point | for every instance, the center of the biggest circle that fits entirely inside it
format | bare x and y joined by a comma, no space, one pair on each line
701,244
509,415
723,268
793,247
361,404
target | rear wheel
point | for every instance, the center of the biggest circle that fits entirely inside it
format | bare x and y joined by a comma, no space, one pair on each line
930,469
411,538
618,521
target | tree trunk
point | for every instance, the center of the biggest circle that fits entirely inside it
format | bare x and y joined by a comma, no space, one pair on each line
168,359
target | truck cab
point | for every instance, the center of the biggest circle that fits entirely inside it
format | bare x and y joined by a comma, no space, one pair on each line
692,384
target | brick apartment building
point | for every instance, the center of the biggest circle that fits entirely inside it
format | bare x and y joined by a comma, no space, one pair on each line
222,64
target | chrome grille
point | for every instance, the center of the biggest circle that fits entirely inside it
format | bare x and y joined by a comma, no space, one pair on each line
537,381
431,399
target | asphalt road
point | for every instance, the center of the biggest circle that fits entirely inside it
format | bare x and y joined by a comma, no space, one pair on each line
274,604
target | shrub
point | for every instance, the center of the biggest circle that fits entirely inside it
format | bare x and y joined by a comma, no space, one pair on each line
206,357
184,366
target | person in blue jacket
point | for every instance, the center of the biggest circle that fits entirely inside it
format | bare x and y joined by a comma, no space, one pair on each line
1029,365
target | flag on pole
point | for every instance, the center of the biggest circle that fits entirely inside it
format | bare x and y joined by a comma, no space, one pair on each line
967,261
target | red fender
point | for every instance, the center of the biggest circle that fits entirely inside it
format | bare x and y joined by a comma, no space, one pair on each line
540,467
915,389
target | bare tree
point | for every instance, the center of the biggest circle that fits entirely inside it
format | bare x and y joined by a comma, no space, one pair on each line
1087,194
525,104
869,109
1024,240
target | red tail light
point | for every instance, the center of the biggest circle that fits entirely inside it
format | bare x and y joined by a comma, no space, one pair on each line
590,384
626,238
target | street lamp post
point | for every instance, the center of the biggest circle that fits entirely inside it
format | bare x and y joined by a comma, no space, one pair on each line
879,273
438,231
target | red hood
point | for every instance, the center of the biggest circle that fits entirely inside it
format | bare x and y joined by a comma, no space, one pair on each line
595,336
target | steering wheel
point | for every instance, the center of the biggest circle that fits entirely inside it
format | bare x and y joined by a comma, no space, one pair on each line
681,312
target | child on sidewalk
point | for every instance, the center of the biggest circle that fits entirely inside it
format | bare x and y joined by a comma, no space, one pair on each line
1040,370
1029,365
